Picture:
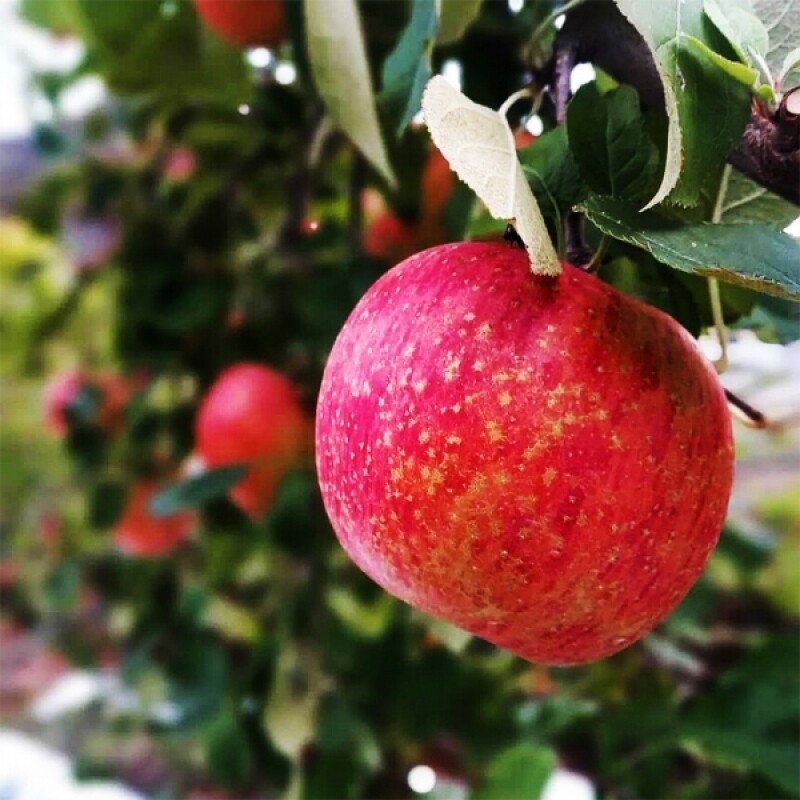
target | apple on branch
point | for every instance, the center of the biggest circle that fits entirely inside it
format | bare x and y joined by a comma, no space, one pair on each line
252,415
509,444
247,23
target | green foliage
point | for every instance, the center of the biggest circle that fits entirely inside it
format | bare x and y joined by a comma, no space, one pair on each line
520,771
408,67
262,661
755,255
622,161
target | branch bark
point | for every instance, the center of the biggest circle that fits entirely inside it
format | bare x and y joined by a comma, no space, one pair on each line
769,151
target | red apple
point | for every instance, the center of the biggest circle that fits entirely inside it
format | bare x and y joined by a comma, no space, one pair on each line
246,23
543,462
138,533
252,415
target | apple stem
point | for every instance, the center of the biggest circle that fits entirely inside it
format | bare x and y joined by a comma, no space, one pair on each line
721,364
509,101
747,414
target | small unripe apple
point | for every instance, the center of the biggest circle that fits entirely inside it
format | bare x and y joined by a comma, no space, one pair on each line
138,533
541,461
246,23
252,415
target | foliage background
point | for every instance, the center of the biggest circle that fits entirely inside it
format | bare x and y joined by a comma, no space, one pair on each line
260,662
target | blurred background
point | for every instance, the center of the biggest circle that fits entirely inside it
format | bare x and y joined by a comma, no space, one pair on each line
174,205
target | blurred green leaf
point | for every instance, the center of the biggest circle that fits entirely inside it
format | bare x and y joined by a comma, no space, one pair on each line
520,771
369,620
106,503
228,757
745,722
456,16
290,714
408,67
196,491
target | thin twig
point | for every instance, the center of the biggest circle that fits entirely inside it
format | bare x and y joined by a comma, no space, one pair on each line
748,415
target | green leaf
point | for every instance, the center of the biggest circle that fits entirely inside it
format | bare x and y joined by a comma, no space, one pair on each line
783,23
290,715
774,319
758,256
339,64
228,759
139,46
739,72
790,64
197,490
455,17
743,200
106,503
369,620
59,17
520,771
553,173
744,31
609,140
707,106
408,67
745,722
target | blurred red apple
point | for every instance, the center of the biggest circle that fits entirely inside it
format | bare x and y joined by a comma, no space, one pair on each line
246,23
64,389
252,415
390,239
543,462
140,534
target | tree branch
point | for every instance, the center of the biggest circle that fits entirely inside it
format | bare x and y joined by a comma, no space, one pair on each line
769,151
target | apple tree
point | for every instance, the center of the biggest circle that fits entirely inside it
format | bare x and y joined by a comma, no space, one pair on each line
260,165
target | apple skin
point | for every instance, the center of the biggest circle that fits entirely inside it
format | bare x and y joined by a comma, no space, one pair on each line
543,462
246,23
251,414
141,535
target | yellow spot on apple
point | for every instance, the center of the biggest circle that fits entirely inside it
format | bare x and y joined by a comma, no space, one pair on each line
484,331
493,431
